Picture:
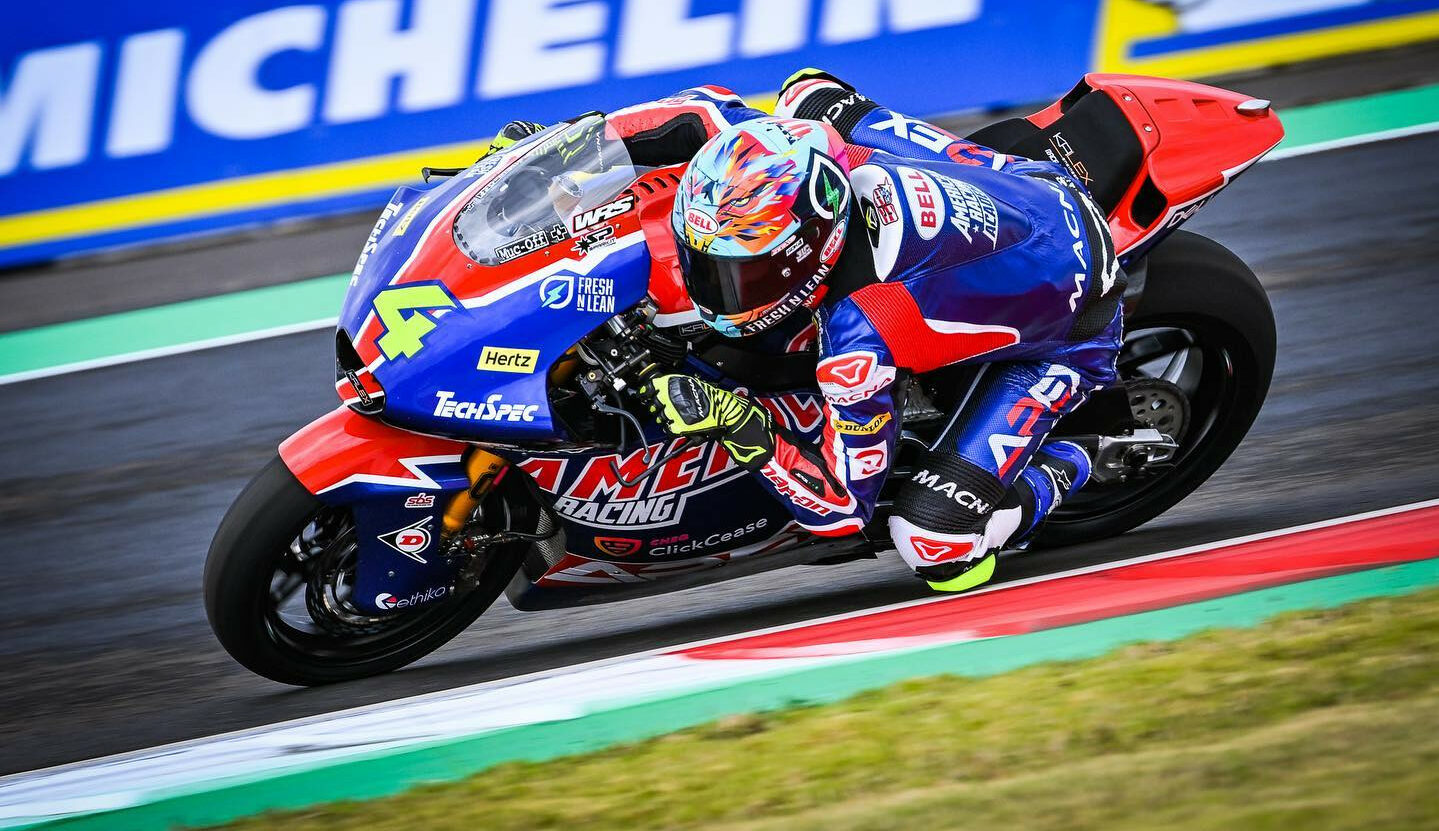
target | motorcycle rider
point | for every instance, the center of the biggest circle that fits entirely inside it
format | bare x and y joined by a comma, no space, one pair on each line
912,250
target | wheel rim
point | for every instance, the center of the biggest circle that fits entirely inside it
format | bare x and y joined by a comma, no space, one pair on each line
305,605
1202,364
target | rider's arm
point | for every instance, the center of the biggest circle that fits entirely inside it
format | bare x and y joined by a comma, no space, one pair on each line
671,130
830,486
831,489
819,96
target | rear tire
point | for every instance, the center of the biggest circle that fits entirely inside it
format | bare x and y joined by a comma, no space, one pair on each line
254,540
1196,285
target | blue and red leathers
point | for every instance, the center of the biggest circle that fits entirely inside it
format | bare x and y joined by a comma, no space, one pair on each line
955,255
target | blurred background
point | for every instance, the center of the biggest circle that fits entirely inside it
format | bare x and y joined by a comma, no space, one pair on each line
184,188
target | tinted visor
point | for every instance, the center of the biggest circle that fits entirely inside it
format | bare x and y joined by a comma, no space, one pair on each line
729,287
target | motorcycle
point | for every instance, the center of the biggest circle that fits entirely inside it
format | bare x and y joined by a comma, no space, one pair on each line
500,317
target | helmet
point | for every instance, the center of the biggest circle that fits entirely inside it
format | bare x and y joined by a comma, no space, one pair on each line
760,219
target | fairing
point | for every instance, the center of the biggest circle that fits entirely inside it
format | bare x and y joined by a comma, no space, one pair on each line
398,469
470,290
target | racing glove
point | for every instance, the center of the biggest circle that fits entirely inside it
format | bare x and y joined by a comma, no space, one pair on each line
511,133
687,406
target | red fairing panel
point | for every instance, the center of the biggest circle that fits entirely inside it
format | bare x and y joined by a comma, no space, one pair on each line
343,446
1195,141
656,194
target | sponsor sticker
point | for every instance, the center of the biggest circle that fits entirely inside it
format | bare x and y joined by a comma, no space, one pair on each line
530,244
869,428
585,220
833,112
950,489
973,213
618,546
385,600
558,292
701,221
373,242
411,540
687,545
420,500
404,224
913,130
585,294
600,237
883,198
493,408
926,205
834,243
502,359
1060,152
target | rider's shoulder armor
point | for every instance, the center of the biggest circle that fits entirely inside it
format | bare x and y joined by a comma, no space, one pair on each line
950,262
923,217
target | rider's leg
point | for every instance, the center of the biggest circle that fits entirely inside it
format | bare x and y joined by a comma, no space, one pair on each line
986,482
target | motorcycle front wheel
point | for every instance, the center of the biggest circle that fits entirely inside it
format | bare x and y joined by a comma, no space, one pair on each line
1204,327
276,585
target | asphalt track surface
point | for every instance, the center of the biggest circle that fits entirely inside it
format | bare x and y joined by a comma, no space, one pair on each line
112,482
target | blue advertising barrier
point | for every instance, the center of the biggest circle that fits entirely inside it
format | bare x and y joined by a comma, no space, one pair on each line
129,122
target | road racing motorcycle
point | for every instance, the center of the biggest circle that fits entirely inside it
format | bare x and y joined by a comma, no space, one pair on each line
500,318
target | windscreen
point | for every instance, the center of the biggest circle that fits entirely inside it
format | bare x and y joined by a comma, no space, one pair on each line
552,176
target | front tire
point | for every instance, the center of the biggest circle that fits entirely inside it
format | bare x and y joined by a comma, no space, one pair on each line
1199,289
256,545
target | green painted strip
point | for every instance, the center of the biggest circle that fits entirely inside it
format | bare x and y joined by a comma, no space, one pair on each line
193,323
163,327
1318,123
383,775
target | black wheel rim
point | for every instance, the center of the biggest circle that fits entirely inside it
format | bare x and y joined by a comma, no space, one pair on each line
326,539
1202,361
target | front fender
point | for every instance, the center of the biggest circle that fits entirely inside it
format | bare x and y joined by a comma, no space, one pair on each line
396,484
343,456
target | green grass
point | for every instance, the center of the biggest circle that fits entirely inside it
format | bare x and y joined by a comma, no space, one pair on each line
1316,720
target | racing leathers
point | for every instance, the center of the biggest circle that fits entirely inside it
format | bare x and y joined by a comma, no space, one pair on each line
955,255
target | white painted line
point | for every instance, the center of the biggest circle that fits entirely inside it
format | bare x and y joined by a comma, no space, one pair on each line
551,695
277,331
1352,141
164,351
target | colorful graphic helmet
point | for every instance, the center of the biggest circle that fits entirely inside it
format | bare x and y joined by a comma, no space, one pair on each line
760,219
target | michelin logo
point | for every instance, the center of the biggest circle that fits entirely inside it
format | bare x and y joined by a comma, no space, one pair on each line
130,94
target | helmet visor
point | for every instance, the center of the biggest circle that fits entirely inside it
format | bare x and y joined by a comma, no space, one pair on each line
734,286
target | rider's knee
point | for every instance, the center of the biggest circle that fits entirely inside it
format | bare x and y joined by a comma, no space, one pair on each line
941,518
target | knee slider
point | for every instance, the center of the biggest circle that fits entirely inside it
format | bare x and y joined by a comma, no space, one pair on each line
949,495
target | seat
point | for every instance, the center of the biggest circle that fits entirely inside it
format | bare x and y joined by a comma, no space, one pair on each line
1093,139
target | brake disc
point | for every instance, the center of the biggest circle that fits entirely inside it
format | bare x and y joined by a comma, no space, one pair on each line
1160,405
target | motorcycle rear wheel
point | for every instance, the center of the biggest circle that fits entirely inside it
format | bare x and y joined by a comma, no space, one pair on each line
1204,299
255,547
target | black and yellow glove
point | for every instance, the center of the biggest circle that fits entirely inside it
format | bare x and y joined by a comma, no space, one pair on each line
688,406
511,133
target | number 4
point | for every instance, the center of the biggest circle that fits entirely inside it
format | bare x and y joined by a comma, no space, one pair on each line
403,335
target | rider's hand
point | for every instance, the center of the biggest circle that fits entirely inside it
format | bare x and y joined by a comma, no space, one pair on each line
511,133
687,406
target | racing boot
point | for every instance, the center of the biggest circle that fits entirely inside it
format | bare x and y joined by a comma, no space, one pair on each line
1057,471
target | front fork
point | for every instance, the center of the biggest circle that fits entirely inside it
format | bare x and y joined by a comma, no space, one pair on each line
484,470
